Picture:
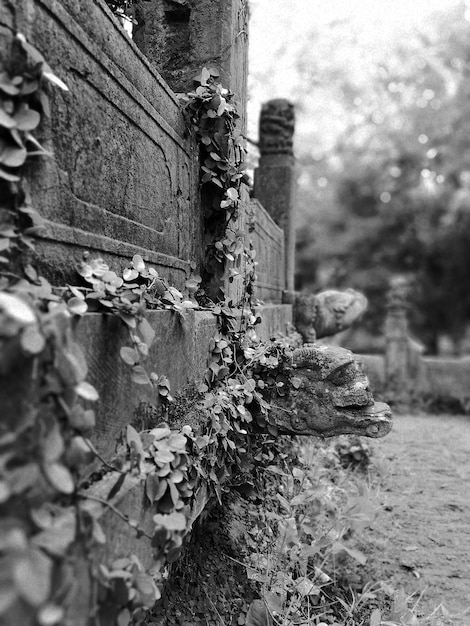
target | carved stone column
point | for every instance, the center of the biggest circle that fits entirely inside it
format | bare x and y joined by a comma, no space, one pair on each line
274,184
397,336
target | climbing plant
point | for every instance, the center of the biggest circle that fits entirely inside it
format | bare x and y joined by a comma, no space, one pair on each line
50,515
212,115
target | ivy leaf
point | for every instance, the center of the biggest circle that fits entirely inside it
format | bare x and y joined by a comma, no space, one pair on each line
7,86
17,309
5,493
147,332
26,119
87,391
258,614
138,263
124,618
159,489
177,442
222,107
129,275
77,306
13,156
232,193
135,442
32,576
140,376
61,534
7,176
50,614
59,477
151,487
205,76
6,120
173,521
129,355
72,365
164,455
8,593
147,589
32,340
160,432
98,533
81,419
202,441
53,445
174,493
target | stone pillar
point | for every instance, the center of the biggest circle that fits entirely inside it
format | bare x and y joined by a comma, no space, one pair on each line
397,366
275,176
180,37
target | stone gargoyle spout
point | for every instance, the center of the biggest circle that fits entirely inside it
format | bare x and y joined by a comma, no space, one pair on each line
328,394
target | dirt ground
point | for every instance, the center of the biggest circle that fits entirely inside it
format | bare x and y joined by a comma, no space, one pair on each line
422,532
419,540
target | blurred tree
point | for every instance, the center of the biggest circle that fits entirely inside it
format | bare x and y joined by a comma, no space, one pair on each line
392,193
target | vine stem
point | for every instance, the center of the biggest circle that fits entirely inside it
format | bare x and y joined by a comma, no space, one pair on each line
115,510
100,458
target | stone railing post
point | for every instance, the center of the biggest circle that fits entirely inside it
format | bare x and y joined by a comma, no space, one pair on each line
274,184
397,366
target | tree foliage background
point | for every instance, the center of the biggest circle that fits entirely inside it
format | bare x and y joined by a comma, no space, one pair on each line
383,144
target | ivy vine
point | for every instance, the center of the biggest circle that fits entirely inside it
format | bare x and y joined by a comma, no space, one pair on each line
50,515
212,115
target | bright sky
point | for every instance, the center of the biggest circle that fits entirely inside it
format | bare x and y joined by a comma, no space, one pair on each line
279,25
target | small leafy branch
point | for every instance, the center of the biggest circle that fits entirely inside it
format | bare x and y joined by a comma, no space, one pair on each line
213,117
128,297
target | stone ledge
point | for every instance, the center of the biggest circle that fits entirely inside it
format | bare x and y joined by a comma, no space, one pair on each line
180,351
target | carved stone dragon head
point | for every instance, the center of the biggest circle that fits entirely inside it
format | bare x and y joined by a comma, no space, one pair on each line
328,394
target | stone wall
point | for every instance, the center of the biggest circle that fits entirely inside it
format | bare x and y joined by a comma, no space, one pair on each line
124,174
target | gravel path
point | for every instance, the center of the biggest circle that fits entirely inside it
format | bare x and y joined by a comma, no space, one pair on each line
423,530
